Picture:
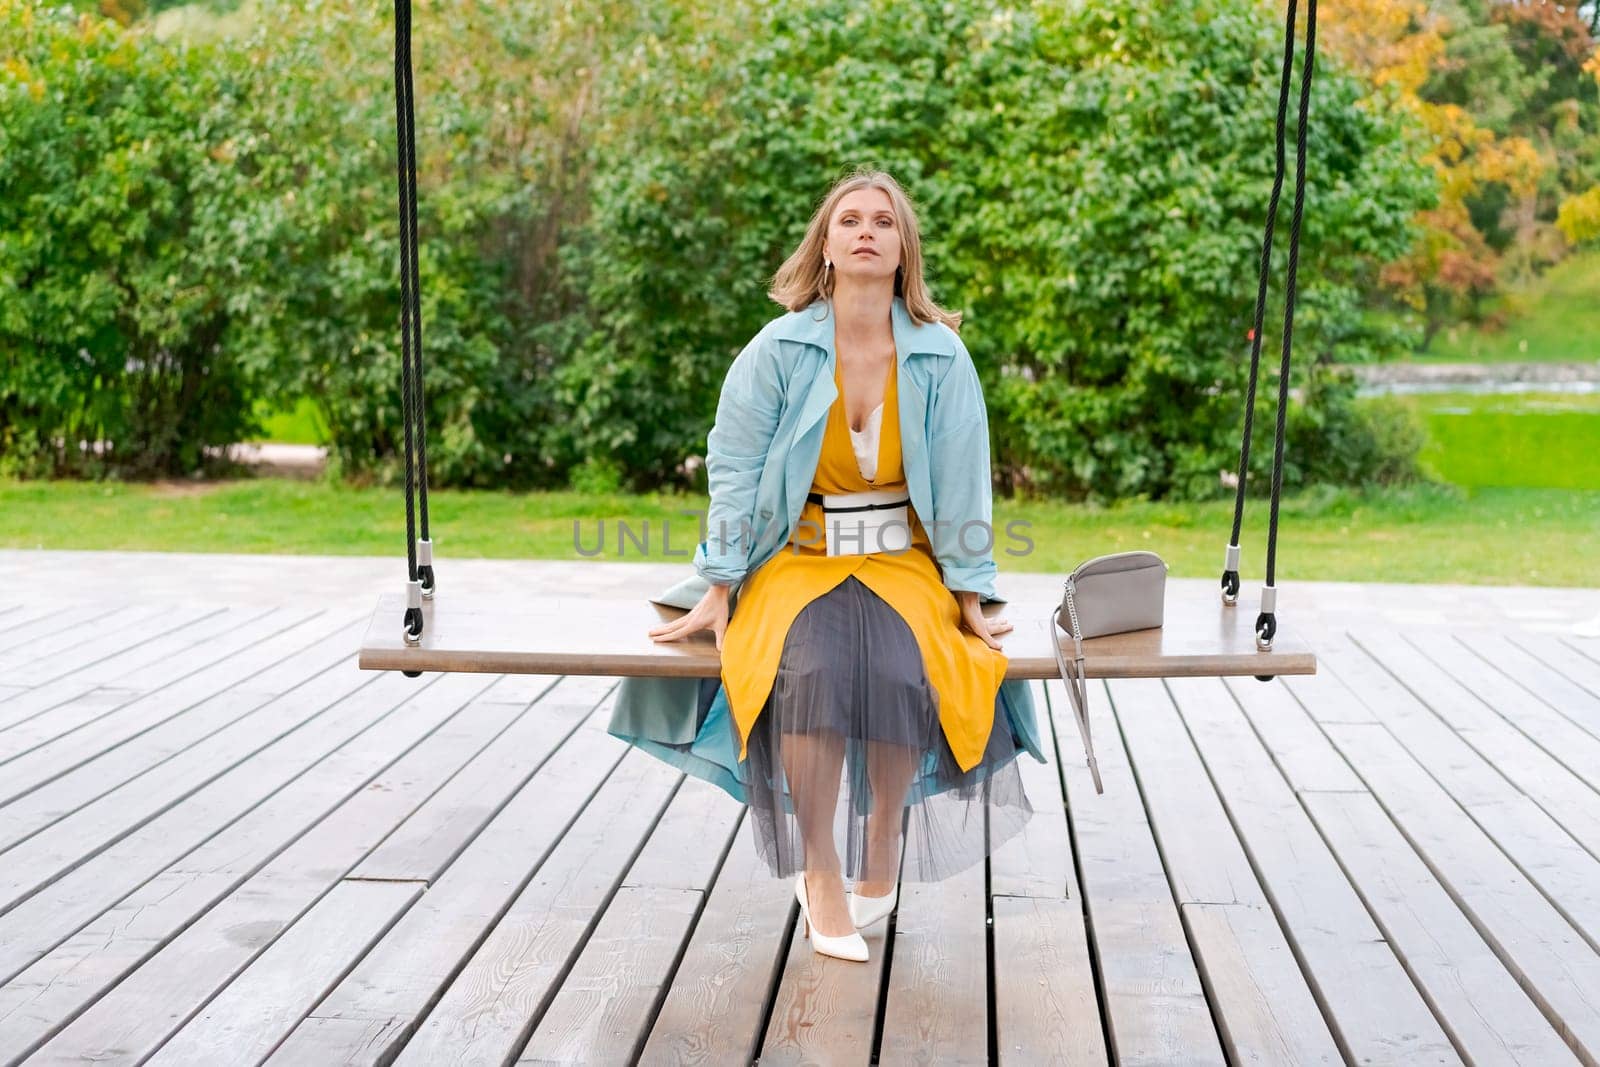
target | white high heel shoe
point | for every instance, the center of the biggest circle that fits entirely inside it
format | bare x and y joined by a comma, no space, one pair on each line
851,946
864,911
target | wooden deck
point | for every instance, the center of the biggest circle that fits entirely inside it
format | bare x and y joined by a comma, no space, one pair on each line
222,842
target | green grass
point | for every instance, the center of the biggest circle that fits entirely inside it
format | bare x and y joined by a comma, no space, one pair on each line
1420,534
1554,319
300,426
1528,440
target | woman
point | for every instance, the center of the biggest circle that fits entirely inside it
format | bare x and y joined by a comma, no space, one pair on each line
866,659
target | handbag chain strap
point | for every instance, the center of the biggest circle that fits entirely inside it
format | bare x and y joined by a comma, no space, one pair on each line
1076,680
1077,631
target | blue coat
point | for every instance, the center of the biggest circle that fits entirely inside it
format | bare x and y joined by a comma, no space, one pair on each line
761,458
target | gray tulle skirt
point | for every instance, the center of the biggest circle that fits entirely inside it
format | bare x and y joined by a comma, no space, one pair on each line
847,766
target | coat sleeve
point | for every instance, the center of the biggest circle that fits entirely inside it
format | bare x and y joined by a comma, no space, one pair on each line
962,533
748,409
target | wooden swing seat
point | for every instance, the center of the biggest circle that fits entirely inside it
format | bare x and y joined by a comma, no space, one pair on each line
607,637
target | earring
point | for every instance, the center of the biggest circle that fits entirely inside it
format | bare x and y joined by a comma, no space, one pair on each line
827,264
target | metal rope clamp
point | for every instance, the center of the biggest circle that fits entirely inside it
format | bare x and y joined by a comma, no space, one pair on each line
413,617
1267,620
1230,571
425,567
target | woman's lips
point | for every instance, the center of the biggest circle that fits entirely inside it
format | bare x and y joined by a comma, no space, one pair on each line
865,251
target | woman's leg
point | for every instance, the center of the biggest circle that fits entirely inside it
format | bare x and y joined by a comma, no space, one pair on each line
890,769
813,765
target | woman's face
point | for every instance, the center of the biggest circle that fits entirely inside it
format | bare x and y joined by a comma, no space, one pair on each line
864,236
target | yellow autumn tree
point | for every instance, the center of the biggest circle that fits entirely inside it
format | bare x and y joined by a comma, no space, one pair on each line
1452,267
1579,219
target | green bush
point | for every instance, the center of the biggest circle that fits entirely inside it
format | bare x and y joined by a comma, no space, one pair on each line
257,178
322,318
1092,180
605,191
119,253
1372,442
504,106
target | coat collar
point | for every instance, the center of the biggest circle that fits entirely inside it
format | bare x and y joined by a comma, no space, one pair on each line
813,325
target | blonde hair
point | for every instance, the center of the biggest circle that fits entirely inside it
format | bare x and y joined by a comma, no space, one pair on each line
803,279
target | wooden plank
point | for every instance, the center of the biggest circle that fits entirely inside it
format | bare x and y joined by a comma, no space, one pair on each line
182,652
125,747
43,726
379,1004
1328,704
1155,1006
41,856
435,833
179,750
66,653
1199,850
1045,1006
1488,1015
1588,647
824,1008
1037,862
688,846
1245,863
23,657
1372,1004
520,688
344,803
1538,719
1549,856
1046,1010
187,619
192,967
37,751
717,1001
244,1022
70,619
15,617
1560,678
1576,661
490,1007
937,1008
1558,969
1268,715
1244,962
1311,772
602,1012
96,878
570,635
1537,755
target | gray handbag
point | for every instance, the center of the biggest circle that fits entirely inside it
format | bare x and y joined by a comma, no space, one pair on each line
1105,595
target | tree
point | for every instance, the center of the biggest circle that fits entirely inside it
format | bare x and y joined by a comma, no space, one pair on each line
119,184
1092,179
1513,127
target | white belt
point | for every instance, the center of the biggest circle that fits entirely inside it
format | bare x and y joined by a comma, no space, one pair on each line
857,524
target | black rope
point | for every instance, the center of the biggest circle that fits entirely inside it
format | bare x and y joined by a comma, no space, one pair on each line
418,411
410,302
1266,621
1230,578
1289,285
402,104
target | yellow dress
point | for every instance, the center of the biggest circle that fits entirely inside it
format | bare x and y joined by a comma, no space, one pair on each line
964,672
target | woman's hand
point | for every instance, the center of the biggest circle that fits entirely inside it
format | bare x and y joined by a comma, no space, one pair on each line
710,614
972,615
